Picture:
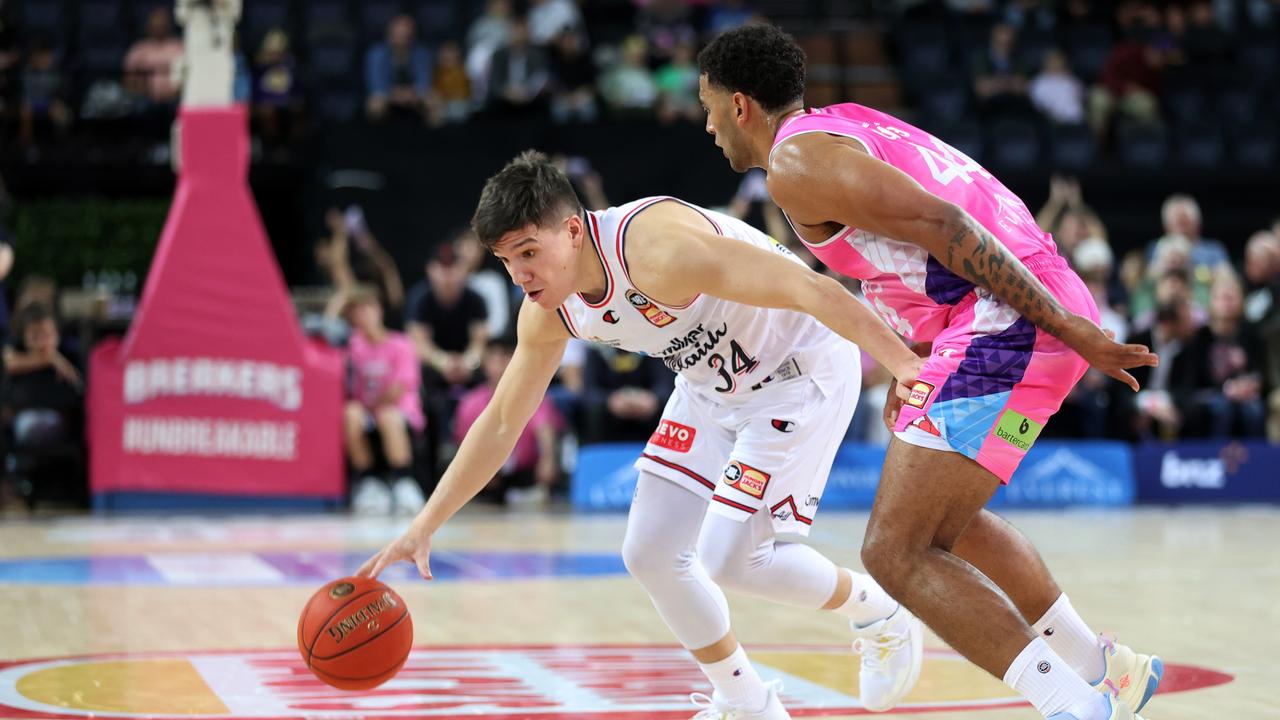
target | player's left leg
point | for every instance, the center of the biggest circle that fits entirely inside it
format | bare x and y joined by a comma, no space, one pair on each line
1005,556
786,443
659,552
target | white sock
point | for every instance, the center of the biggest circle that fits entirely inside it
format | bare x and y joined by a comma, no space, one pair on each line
867,602
1049,683
1069,636
737,681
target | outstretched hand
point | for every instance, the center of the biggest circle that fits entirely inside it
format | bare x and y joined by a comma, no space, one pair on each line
410,547
1099,348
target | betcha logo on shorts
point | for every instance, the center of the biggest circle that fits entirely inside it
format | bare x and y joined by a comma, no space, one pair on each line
1018,430
746,478
673,436
920,393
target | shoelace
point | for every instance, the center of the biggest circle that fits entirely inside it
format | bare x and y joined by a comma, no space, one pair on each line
876,651
713,709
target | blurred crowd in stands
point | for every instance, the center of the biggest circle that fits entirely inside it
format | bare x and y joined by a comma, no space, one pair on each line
1010,82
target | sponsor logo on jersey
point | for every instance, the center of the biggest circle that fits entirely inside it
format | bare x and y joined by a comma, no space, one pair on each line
921,391
611,317
746,478
1018,430
693,347
651,312
784,426
673,436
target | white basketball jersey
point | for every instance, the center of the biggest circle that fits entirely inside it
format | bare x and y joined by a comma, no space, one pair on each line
720,348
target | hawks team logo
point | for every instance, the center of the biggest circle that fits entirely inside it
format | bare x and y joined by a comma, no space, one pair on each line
611,317
746,478
921,391
651,312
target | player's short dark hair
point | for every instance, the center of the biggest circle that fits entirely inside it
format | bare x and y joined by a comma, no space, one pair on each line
759,61
529,190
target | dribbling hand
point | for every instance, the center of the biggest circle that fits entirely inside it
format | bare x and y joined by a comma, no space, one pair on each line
408,547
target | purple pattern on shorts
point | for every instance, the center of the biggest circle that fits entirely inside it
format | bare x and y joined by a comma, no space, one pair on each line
992,363
944,286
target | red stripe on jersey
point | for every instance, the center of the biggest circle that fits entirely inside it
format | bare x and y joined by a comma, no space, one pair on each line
593,230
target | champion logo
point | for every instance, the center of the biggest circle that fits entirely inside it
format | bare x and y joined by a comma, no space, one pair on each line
1044,667
1048,632
784,426
611,317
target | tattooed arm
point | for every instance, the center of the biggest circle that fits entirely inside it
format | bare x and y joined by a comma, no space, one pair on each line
850,187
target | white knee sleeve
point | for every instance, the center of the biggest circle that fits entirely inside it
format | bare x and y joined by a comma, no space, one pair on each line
660,552
744,557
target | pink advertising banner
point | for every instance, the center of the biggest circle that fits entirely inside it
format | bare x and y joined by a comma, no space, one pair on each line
215,390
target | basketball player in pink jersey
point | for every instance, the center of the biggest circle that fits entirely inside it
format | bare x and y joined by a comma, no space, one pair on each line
762,398
955,263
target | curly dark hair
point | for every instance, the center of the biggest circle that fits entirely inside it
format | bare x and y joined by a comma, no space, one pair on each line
529,190
759,61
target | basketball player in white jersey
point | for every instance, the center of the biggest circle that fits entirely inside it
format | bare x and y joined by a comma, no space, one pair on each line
763,396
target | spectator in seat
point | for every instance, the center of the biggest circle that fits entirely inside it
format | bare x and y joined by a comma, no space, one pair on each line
450,100
1130,84
1223,393
148,67
623,395
277,93
449,326
1056,92
43,394
628,86
1155,411
384,397
485,36
1180,216
519,74
1262,272
529,474
999,78
677,83
43,100
573,80
398,73
1166,276
666,24
548,19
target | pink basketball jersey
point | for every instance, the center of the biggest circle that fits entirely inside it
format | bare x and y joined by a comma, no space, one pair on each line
913,291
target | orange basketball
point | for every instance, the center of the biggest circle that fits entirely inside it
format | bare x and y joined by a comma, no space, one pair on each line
355,633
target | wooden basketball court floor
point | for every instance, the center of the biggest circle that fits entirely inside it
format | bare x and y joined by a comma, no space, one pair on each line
532,616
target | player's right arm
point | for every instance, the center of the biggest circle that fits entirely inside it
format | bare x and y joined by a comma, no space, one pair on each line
819,180
489,441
